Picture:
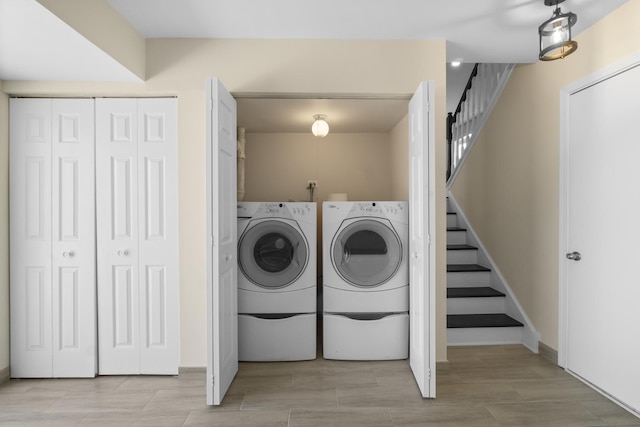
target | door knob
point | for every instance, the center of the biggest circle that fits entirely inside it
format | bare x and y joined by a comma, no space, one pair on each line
123,252
68,254
576,256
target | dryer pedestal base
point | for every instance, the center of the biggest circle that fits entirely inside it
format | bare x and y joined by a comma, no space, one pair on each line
276,340
366,336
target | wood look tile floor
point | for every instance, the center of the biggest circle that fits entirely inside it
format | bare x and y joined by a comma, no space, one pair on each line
483,386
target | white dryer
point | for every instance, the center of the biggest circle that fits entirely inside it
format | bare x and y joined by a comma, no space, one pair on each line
277,281
365,280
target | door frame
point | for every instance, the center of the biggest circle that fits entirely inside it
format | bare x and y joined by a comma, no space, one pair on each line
599,76
428,301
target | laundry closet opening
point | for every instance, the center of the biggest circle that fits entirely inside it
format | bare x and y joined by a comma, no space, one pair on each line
288,173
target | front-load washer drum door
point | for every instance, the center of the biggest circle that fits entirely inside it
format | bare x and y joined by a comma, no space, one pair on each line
272,254
366,253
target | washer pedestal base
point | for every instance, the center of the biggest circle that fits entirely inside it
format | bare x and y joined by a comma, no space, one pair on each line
366,336
276,339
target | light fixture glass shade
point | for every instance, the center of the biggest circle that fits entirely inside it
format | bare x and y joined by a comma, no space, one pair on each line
555,36
320,127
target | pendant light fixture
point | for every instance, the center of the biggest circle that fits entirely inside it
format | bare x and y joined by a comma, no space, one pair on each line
555,34
320,127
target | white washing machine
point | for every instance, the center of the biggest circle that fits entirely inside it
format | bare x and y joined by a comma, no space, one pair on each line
365,280
277,281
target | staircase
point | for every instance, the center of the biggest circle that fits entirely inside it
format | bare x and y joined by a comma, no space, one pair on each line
480,307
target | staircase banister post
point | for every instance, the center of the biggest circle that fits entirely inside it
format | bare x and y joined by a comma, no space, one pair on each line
450,121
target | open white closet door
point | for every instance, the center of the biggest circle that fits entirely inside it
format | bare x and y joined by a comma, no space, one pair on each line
222,242
421,229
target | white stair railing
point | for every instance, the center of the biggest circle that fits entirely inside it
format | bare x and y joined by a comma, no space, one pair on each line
480,96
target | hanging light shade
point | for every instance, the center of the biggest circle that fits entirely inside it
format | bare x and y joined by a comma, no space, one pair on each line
555,34
320,127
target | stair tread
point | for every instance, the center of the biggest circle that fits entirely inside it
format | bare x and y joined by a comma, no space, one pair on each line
492,320
456,229
466,267
460,247
473,292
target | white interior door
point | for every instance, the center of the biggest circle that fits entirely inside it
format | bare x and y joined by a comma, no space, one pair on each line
138,278
159,291
600,215
53,325
222,244
421,229
117,234
73,239
30,260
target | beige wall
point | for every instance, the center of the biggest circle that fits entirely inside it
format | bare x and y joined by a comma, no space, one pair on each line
278,166
399,156
4,230
180,67
509,187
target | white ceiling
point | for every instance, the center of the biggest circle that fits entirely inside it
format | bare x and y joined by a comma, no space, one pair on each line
36,45
476,30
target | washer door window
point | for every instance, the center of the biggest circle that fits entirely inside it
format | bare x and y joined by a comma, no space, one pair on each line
367,253
272,254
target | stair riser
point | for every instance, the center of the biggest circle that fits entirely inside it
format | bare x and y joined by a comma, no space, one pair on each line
468,279
456,237
484,336
462,256
475,305
452,220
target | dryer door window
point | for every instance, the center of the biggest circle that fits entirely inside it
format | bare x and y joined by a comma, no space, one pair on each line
272,254
367,253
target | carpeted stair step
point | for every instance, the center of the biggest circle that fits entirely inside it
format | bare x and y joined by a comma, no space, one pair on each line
474,292
492,320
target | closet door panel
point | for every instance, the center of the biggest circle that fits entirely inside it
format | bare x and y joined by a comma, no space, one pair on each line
30,243
73,238
158,225
117,234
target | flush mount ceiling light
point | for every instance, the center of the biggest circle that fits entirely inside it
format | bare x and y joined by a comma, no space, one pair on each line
320,127
555,34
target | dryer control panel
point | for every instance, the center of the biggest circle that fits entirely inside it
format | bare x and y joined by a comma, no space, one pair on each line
392,210
286,210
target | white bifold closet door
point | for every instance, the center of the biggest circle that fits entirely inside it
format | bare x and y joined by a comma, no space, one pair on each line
52,210
137,232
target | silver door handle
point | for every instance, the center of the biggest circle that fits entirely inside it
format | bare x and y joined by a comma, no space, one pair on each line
576,256
123,252
68,254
